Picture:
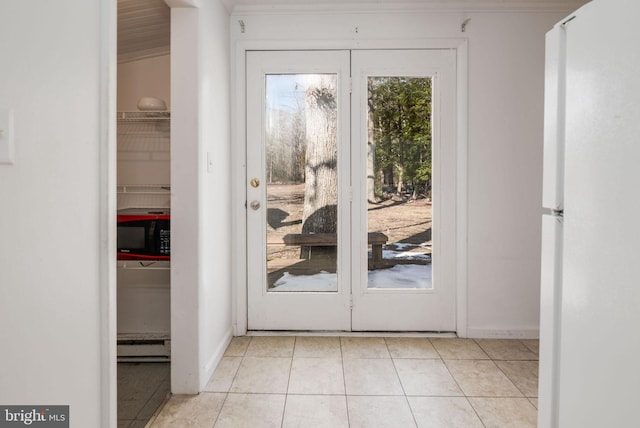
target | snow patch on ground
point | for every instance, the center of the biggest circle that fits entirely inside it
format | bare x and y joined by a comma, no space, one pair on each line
404,255
403,245
399,276
323,281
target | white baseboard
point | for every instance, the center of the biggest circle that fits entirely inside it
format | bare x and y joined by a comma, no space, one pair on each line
211,365
477,333
347,333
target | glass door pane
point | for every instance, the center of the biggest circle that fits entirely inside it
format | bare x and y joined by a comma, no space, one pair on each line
302,182
399,182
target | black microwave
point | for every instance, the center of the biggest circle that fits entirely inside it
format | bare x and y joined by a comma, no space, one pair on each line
144,237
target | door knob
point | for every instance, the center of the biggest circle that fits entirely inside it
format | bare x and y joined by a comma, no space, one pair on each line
254,205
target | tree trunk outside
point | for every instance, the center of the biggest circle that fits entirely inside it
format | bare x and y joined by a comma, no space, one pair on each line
400,151
371,149
320,214
388,178
400,181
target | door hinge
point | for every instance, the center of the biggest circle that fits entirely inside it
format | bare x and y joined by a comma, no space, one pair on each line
351,85
351,301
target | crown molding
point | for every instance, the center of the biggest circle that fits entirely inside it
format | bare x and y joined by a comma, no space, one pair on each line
433,6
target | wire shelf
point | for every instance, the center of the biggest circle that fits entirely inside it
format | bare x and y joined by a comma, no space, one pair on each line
144,131
144,196
130,116
147,189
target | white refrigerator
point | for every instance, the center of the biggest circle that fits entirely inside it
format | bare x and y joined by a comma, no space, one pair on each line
590,291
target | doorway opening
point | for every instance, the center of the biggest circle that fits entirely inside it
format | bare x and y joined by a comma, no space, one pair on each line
143,203
351,190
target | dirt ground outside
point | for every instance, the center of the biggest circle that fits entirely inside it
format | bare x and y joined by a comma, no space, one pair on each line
406,222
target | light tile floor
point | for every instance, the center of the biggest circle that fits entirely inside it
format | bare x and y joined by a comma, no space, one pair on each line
367,382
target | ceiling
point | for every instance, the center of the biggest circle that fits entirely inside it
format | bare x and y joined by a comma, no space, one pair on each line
143,29
144,25
231,4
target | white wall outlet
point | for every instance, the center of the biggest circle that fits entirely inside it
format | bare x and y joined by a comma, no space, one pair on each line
6,136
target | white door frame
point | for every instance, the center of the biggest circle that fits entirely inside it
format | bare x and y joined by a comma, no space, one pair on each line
107,210
239,155
108,205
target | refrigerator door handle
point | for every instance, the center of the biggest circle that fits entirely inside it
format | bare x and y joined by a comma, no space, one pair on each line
554,132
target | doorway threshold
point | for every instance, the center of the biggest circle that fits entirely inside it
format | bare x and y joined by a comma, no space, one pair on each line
352,333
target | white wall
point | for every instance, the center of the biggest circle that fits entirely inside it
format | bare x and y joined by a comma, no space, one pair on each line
148,77
185,257
200,277
58,344
505,118
506,88
215,190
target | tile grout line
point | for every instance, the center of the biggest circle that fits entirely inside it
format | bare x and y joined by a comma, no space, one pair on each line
157,413
344,382
464,394
286,392
226,395
495,360
148,400
395,368
457,383
164,403
512,381
345,395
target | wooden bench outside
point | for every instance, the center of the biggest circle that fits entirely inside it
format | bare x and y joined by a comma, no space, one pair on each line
375,239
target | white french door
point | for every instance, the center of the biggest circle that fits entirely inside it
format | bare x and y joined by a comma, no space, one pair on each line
351,190
282,295
414,288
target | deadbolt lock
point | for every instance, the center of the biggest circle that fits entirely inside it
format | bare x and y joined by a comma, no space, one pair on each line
255,182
